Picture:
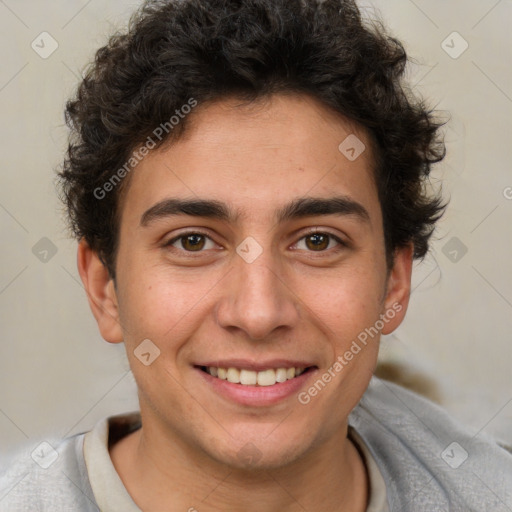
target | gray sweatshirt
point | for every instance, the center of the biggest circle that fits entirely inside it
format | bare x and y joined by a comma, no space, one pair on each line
428,462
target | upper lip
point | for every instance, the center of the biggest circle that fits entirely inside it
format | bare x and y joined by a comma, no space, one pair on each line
245,364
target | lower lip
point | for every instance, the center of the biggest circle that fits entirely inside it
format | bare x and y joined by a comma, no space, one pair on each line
259,396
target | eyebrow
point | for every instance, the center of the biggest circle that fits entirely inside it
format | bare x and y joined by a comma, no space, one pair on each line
298,208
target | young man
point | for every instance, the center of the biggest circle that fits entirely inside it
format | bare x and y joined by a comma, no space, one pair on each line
246,179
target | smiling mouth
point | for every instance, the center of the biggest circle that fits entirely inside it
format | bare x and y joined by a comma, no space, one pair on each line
244,377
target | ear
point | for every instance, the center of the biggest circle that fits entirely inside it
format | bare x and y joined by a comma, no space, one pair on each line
398,288
101,293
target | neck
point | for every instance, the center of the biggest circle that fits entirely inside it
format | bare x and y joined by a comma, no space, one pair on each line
158,468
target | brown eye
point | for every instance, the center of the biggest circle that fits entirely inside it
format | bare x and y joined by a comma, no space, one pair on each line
191,242
317,241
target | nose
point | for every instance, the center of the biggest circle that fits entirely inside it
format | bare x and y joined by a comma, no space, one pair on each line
258,300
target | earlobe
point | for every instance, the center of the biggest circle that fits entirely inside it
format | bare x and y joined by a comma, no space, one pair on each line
101,293
398,288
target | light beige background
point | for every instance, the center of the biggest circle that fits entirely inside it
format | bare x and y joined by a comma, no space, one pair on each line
57,376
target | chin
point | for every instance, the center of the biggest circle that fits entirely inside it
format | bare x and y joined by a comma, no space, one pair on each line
253,453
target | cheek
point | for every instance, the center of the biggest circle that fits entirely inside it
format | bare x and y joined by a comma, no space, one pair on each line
345,301
161,304
147,304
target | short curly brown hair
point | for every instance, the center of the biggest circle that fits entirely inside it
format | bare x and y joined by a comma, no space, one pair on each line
175,50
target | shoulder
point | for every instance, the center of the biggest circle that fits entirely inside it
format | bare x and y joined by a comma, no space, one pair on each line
47,476
428,459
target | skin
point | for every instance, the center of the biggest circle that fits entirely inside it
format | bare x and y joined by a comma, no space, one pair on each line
295,301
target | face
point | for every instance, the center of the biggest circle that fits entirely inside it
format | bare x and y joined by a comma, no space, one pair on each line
252,248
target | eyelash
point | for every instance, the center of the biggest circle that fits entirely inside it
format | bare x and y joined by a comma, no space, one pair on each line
341,243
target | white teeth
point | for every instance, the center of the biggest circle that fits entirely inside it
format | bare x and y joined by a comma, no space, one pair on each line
252,378
267,378
233,375
248,377
281,375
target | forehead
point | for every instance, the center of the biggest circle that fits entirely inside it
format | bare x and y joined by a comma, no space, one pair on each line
257,157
